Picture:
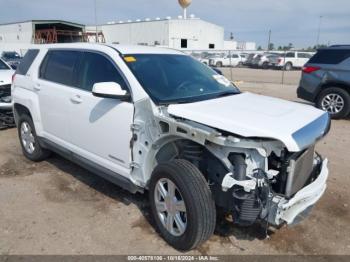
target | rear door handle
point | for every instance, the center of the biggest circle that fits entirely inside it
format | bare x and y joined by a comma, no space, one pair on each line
76,99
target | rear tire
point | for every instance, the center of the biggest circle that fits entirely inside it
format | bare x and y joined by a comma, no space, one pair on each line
219,64
336,101
29,141
199,218
288,66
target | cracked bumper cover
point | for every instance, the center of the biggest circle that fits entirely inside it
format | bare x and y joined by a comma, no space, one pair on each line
287,211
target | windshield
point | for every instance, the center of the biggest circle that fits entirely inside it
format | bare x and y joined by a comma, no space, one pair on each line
177,78
11,55
3,66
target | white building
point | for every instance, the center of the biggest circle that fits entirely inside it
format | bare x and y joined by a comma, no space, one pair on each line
191,34
20,35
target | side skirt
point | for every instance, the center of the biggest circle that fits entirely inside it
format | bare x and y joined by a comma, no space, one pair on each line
99,170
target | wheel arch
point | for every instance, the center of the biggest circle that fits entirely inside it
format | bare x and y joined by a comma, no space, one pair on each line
331,84
176,147
19,109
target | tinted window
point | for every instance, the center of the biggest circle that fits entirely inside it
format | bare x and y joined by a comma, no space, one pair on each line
304,55
27,61
96,68
234,56
11,55
290,55
330,56
59,66
3,66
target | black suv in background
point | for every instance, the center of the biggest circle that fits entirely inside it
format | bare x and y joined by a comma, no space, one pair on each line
326,80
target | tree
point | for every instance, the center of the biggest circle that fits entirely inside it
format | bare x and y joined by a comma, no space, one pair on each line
290,46
271,46
280,48
259,48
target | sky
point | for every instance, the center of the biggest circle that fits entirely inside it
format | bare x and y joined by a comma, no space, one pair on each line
290,21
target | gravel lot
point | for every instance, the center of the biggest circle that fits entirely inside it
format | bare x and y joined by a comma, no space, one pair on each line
56,207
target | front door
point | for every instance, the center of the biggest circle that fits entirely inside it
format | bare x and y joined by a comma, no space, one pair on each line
101,127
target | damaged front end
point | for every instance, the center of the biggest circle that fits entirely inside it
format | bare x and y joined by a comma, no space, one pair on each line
254,179
284,193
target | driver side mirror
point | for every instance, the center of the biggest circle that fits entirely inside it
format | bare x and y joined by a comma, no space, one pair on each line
110,90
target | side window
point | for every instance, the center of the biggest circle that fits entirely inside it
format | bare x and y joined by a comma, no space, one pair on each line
96,68
304,55
59,65
27,61
234,56
290,55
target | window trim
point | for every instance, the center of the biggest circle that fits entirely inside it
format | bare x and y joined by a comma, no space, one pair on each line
77,67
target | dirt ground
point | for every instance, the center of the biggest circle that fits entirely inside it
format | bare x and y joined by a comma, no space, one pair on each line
56,207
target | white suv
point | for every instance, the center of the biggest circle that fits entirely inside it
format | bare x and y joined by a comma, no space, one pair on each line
291,60
158,120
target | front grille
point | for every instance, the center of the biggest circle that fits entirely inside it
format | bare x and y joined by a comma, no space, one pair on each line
299,171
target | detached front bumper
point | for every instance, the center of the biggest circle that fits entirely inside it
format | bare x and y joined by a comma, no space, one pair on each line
287,211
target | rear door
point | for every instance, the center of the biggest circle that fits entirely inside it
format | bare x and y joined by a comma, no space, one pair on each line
54,87
101,127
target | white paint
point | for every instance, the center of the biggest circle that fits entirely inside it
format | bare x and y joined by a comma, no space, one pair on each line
251,115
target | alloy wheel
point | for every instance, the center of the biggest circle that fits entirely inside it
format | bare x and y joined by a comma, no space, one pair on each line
333,103
170,206
27,138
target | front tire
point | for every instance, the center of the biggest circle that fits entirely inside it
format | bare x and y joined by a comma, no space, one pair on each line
29,140
219,64
182,204
335,101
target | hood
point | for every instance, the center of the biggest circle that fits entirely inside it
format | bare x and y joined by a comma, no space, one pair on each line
6,76
250,115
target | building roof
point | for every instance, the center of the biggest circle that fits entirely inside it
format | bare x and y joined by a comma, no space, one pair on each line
44,22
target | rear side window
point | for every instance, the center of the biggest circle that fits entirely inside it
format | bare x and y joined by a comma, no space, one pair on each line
96,68
329,56
27,61
59,65
304,55
290,55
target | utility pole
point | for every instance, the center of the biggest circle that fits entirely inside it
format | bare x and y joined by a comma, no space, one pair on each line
95,8
269,42
319,31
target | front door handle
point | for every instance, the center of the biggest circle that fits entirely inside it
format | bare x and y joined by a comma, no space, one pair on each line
37,87
76,99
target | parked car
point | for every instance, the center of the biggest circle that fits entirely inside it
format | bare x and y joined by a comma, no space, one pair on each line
250,58
326,81
157,119
12,58
264,60
205,59
290,60
231,60
6,73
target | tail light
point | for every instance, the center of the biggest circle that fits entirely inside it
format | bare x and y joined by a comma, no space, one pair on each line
279,60
13,78
310,69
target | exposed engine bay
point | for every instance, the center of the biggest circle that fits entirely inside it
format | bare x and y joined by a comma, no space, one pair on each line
250,194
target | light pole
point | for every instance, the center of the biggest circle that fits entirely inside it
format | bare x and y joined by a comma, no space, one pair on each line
95,9
269,42
319,31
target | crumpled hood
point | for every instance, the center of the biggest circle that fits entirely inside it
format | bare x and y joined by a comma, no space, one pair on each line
250,115
6,77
